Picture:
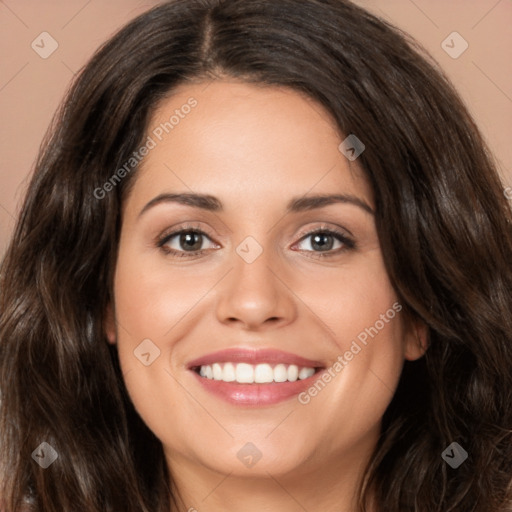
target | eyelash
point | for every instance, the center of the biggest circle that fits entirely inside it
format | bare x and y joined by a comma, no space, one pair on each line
341,237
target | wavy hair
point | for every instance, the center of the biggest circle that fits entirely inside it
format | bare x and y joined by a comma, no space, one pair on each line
444,225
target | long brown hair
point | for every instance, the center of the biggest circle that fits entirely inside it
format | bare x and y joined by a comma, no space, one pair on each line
444,225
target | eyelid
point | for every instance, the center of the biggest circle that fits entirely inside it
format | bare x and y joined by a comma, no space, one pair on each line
326,228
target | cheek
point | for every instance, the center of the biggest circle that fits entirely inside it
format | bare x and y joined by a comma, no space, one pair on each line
361,313
152,304
152,298
352,300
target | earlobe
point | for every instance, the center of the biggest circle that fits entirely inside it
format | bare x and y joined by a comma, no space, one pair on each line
110,325
417,341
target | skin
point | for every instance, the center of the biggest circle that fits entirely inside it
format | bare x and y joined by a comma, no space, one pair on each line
255,148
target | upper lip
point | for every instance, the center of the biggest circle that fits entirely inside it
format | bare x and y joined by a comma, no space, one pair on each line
253,356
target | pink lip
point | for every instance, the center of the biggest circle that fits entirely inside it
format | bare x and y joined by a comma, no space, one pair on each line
254,356
256,395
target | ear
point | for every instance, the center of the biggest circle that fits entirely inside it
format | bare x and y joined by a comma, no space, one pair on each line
110,325
416,341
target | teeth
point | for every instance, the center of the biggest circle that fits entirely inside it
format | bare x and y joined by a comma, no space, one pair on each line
263,373
244,373
305,373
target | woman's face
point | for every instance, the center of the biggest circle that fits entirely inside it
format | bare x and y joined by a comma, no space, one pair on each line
253,164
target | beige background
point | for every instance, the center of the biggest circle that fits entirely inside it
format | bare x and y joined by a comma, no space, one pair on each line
31,87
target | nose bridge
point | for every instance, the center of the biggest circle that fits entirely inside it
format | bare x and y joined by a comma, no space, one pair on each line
253,292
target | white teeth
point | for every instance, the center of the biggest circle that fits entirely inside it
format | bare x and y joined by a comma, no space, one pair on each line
206,371
228,374
293,372
305,373
263,373
280,373
244,373
260,373
217,371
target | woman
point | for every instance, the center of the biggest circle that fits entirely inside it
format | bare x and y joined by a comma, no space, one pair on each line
263,263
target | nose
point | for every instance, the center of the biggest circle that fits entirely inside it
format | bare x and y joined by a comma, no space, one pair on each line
255,295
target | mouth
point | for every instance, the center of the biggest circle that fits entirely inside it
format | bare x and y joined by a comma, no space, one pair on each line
249,377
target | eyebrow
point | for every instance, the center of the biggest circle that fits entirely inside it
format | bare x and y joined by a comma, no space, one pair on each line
295,205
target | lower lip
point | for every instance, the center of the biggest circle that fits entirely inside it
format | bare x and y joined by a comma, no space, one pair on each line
256,394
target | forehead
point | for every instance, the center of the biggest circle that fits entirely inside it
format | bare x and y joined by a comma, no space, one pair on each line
245,142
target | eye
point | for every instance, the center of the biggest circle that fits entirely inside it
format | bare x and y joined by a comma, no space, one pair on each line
185,241
323,241
189,241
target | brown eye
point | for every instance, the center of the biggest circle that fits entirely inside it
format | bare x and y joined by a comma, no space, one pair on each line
184,241
325,241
